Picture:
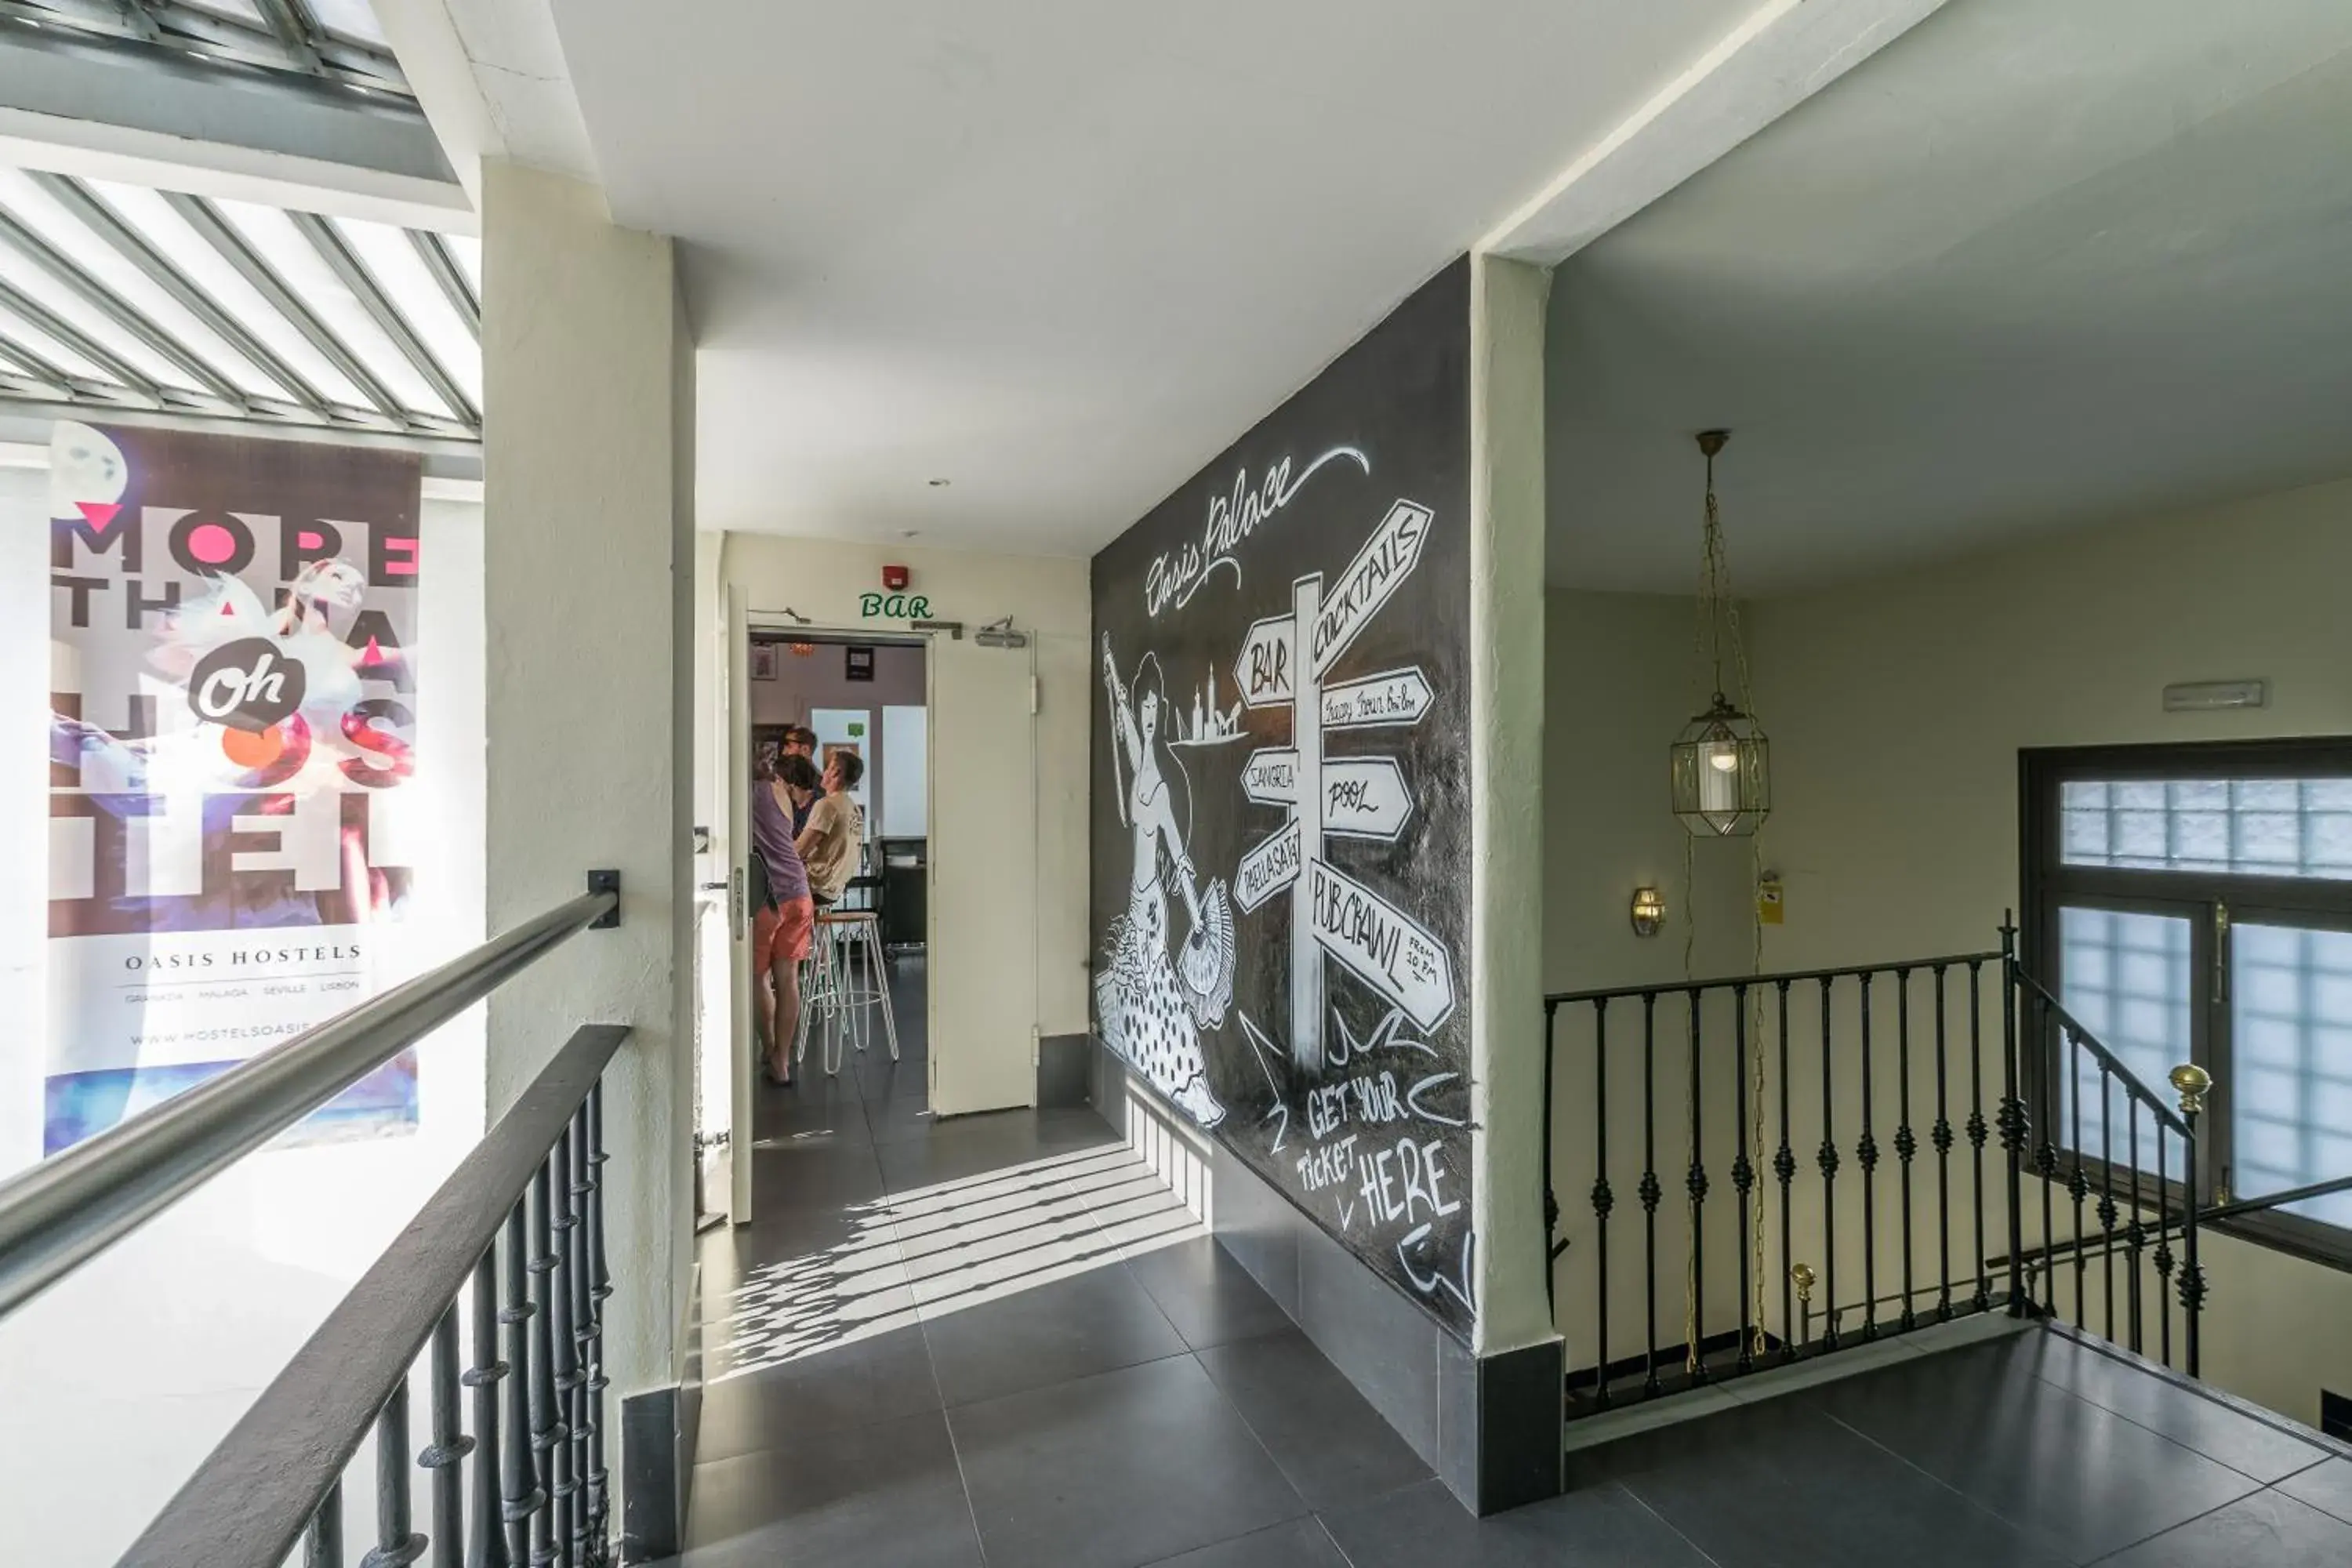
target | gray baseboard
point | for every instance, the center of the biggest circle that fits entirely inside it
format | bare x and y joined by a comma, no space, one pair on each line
658,1432
1065,1067
1490,1428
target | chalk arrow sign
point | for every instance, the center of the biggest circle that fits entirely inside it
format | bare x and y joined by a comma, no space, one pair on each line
1268,868
1399,697
1365,797
1270,777
1389,951
1371,580
1262,668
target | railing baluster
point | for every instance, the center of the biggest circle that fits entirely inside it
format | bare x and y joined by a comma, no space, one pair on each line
575,1149
396,1544
450,1446
1941,1136
599,1289
2192,1277
322,1541
1784,1167
1982,1299
2045,1160
546,1417
2078,1185
2108,1194
1743,1174
1865,1154
1603,1200
2163,1254
1906,1145
565,1488
1695,1182
523,1496
2014,1129
487,1547
1650,1191
2136,1235
1829,1163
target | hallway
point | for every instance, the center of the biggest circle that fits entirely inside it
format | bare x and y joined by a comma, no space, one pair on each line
998,1340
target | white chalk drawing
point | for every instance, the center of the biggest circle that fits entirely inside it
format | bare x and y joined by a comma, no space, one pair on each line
1176,575
1398,698
1153,1006
1347,798
1210,725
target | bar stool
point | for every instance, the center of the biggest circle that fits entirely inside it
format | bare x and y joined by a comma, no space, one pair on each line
833,997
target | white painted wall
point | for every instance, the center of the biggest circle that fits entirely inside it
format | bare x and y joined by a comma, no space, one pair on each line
590,555
1897,710
122,1378
1008,839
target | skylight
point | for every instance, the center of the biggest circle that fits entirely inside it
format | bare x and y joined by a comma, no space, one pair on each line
340,40
117,297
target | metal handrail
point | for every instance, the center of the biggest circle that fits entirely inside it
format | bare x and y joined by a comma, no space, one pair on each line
2081,1033
1758,982
2101,1241
249,1501
60,1214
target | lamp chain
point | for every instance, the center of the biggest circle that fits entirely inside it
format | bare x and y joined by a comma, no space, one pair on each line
1717,608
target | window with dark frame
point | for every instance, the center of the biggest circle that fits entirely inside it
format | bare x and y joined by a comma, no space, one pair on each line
2194,903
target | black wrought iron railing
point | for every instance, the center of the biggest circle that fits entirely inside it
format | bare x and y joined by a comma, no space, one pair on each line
1867,1133
512,1244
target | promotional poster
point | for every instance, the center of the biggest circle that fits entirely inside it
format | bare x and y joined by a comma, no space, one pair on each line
232,724
1281,819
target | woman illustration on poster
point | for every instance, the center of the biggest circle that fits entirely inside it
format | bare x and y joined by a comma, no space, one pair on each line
1151,1013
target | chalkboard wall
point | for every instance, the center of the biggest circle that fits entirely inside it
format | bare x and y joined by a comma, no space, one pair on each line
1281,798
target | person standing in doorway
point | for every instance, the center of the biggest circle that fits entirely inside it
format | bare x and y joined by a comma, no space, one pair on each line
801,742
783,924
829,844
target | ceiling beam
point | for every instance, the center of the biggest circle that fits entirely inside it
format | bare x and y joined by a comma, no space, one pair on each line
1779,55
133,246
387,316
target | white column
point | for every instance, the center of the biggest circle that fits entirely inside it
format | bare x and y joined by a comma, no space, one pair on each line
1506,717
588,382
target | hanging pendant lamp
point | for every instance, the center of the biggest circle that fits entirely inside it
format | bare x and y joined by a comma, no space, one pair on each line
1720,766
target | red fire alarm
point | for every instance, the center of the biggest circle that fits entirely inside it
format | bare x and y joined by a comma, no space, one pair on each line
894,578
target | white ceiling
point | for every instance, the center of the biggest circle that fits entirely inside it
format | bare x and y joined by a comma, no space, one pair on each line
1060,252
2033,265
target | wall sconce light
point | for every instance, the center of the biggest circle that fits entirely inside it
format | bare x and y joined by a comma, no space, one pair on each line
1649,911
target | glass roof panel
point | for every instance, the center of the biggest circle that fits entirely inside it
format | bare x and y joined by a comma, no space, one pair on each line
41,212
15,329
390,257
351,19
169,233
29,277
314,282
466,251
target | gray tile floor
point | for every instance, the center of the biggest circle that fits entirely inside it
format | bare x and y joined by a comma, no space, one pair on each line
994,1341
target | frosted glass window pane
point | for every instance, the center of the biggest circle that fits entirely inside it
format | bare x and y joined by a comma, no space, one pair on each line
2125,978
2291,1006
2265,827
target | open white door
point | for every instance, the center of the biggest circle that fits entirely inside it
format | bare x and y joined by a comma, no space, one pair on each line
735,715
984,967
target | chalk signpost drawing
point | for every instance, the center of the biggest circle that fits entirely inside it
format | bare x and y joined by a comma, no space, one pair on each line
1348,797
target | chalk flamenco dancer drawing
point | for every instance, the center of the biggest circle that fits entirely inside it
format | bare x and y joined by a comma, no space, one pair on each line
1153,1007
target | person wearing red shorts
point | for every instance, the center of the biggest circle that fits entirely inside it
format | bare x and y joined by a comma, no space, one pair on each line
784,922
